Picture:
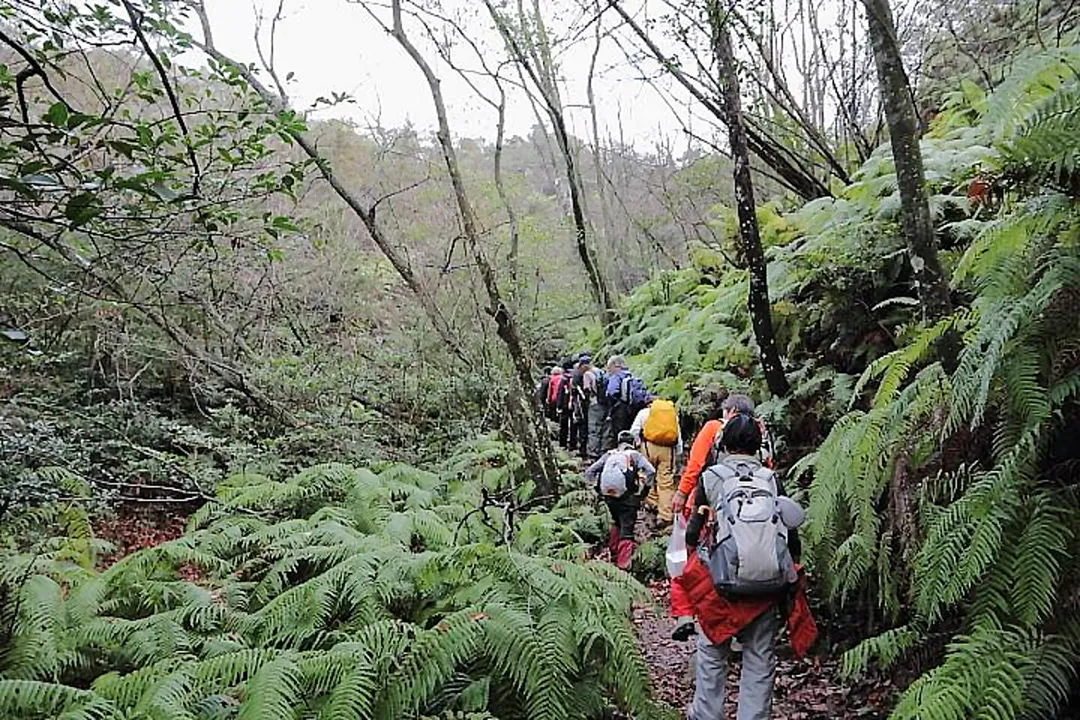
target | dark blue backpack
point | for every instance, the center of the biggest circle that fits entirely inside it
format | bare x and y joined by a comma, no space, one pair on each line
633,392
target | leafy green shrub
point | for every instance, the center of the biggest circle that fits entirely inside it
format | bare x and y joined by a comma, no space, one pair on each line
337,593
943,499
953,497
649,563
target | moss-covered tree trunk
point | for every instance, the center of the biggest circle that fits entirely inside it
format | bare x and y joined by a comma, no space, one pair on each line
904,137
758,301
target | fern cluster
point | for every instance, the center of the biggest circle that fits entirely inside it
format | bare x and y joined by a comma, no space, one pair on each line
970,464
944,497
1038,116
338,593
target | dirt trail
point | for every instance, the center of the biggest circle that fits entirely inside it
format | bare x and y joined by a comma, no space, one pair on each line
807,689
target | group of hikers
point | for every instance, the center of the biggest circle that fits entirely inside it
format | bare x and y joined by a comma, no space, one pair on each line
738,580
599,410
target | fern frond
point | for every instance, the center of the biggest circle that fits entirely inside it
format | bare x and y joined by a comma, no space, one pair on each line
886,649
29,698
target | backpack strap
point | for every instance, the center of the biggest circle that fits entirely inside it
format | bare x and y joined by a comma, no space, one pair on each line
719,506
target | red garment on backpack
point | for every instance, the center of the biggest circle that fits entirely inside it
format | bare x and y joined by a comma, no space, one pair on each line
720,618
553,388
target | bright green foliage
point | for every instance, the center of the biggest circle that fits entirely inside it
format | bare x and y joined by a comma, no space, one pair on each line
44,509
943,499
987,540
338,593
837,276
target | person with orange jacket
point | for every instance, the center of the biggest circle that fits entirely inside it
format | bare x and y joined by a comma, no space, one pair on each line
703,449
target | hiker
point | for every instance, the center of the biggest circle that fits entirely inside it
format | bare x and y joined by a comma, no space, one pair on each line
741,579
625,395
580,402
656,430
704,448
562,402
550,406
594,382
542,390
616,412
617,478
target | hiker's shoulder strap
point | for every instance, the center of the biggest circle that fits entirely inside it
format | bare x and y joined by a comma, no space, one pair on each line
717,474
766,474
712,483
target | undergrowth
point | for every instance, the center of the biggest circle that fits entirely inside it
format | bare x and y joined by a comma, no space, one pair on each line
336,593
945,497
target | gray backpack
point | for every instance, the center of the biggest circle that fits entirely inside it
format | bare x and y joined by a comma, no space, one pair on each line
618,474
749,554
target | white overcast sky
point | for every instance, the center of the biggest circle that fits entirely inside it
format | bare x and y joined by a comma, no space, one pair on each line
332,45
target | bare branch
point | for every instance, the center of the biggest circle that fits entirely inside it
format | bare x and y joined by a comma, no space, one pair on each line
797,178
268,62
33,67
279,103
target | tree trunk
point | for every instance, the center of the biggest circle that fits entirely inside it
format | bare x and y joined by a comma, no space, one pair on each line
791,170
597,284
904,137
539,455
758,302
543,78
500,188
598,157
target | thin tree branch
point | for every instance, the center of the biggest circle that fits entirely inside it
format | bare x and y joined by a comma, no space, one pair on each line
136,18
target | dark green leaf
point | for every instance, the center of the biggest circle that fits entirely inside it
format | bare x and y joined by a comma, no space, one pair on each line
57,115
82,208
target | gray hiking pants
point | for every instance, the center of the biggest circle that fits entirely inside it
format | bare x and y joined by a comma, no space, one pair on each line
756,681
597,413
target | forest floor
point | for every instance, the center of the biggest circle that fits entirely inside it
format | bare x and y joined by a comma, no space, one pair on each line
809,688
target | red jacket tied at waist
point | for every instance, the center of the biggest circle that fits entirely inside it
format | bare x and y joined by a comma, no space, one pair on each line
693,594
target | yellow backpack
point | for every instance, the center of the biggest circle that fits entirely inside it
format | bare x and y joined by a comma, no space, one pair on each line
662,425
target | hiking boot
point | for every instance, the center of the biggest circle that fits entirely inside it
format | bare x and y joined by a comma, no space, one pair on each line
684,628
